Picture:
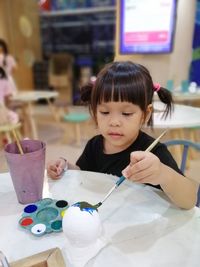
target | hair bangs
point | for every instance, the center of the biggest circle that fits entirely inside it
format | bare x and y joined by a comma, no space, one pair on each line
128,91
105,90
124,89
122,82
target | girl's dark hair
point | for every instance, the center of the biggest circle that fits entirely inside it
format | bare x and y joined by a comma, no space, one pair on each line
124,81
5,50
2,73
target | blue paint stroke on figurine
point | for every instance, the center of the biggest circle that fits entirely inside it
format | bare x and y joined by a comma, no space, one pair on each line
85,206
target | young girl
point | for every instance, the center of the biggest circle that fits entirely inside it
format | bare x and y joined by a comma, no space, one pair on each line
6,115
8,63
120,101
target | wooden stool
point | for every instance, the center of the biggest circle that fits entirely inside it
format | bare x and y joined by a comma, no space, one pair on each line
7,129
77,118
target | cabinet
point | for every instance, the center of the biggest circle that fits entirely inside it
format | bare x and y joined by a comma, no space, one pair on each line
84,31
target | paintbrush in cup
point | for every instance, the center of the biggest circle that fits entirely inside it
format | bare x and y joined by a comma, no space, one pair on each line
17,142
122,178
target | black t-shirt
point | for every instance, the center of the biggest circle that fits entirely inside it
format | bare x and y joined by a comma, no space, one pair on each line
94,159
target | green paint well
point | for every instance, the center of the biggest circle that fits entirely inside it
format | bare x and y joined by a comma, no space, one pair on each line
56,225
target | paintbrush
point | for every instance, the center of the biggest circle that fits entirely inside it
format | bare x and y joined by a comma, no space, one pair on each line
122,178
17,142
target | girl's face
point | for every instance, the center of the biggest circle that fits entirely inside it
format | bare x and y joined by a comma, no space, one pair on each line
119,123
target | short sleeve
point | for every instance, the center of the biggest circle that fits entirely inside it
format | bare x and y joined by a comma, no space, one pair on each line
87,159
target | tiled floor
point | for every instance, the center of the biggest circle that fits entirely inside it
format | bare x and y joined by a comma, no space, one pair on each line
60,144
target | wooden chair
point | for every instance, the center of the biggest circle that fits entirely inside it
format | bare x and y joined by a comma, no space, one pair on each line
186,145
184,86
7,130
77,119
60,78
170,85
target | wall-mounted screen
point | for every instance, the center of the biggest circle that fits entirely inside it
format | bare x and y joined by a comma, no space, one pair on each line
147,26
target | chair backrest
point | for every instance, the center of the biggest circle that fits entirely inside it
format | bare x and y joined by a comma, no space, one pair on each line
60,76
60,63
170,85
184,86
186,144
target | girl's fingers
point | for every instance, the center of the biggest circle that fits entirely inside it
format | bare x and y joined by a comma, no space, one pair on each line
53,168
138,177
59,170
140,166
53,172
53,175
136,168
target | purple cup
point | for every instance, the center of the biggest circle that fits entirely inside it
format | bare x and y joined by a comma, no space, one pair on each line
27,170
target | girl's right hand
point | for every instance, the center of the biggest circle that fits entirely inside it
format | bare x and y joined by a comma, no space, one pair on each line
56,168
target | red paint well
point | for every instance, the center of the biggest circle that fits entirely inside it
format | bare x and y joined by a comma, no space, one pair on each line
26,221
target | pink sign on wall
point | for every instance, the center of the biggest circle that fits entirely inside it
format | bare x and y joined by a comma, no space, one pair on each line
147,26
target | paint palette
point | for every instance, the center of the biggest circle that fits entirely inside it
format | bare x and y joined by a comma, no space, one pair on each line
44,216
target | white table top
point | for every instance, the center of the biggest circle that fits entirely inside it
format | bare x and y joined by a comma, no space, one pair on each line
180,96
182,117
144,229
27,96
186,96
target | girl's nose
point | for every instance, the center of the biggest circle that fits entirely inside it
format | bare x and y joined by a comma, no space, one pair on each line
115,121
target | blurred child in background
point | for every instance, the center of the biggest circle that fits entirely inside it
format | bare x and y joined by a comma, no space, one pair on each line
6,92
8,63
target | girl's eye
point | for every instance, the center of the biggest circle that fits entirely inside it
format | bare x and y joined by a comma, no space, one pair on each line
104,112
127,114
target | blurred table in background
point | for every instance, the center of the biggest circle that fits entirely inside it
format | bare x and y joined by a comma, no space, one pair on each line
183,123
179,97
183,117
187,98
29,98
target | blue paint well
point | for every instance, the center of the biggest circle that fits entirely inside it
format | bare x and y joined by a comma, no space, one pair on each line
30,208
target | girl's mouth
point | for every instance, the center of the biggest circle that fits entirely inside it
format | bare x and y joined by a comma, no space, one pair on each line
115,135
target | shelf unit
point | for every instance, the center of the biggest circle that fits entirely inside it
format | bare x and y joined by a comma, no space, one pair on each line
86,33
78,11
83,31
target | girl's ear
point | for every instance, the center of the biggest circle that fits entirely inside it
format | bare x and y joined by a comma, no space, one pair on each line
148,113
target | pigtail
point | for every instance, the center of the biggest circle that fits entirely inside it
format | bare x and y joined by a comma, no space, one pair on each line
166,97
2,73
85,93
5,51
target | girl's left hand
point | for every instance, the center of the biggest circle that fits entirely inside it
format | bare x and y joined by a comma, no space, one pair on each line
144,167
